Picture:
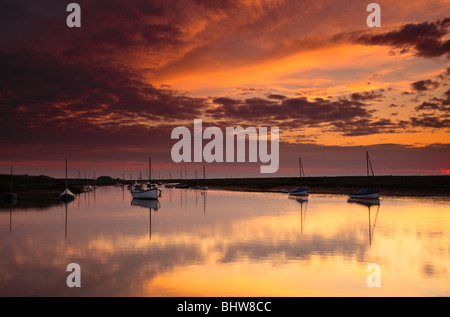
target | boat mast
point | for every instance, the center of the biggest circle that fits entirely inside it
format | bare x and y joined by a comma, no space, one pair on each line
300,167
11,181
150,170
66,174
368,163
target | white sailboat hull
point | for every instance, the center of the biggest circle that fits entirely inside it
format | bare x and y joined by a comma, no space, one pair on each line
152,193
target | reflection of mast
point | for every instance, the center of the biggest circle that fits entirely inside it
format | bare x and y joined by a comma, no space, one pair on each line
303,216
369,203
66,215
65,228
150,204
300,167
301,200
372,229
10,220
204,202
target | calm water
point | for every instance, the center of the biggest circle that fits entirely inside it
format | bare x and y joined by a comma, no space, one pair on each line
222,243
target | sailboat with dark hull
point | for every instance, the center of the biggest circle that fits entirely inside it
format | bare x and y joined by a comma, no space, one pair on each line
10,197
300,191
66,196
367,192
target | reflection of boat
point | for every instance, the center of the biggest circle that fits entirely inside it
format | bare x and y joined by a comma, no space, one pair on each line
366,192
152,204
301,200
369,203
65,217
66,195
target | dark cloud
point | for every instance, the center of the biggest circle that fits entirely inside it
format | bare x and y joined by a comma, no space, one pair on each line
348,116
276,97
367,95
433,114
428,39
429,121
300,109
42,94
424,85
368,127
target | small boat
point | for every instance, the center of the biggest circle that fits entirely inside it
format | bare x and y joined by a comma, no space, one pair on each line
169,185
87,188
152,193
364,201
200,187
149,192
10,197
118,184
299,191
66,195
181,186
366,193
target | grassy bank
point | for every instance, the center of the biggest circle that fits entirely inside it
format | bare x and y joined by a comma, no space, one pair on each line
44,187
387,185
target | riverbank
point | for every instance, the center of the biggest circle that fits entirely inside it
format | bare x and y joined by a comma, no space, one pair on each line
47,188
387,185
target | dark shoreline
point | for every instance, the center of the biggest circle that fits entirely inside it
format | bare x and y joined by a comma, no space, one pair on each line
420,186
47,188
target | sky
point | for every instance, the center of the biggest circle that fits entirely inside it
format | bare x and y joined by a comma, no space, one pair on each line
107,95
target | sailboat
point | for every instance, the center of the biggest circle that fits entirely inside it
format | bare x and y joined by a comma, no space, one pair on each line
149,193
300,191
10,197
66,195
367,192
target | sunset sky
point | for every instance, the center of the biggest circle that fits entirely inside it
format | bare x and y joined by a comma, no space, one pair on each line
107,96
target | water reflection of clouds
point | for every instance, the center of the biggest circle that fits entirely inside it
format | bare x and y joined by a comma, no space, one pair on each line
111,241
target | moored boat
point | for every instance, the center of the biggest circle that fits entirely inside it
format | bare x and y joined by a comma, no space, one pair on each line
366,193
10,197
66,195
299,191
151,193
